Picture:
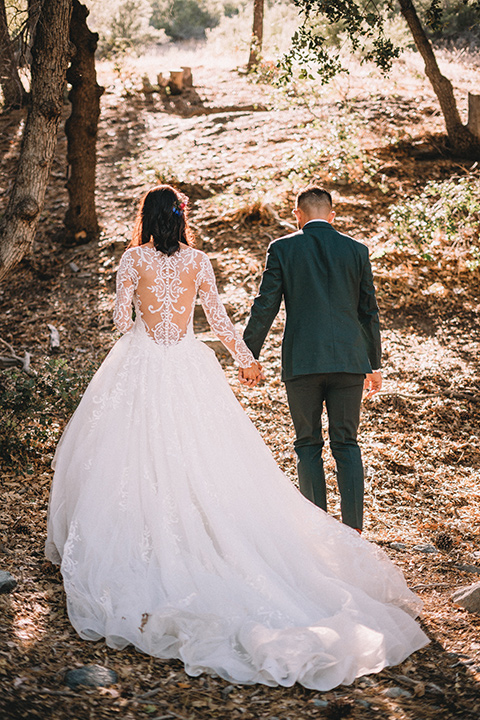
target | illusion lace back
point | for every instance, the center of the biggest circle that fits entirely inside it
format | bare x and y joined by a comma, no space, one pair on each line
164,289
177,532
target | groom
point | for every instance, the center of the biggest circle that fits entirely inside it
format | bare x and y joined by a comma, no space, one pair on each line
331,344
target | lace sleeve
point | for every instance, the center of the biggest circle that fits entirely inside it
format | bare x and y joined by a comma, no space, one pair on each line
217,316
122,315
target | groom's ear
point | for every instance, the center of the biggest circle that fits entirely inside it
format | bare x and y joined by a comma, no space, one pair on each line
331,216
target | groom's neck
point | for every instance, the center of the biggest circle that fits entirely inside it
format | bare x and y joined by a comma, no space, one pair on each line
305,217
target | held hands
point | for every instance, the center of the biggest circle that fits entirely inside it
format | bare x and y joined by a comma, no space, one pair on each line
373,383
252,375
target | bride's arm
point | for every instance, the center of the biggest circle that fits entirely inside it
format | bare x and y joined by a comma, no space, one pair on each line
218,319
122,315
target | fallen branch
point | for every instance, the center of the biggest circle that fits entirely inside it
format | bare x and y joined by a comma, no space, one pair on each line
54,338
421,586
62,693
14,360
418,396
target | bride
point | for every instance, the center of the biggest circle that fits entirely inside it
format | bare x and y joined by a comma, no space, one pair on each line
174,528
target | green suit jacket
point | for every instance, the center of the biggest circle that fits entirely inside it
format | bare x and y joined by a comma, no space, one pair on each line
332,321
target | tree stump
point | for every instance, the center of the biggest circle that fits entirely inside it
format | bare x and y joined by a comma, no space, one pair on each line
175,83
187,77
474,114
147,88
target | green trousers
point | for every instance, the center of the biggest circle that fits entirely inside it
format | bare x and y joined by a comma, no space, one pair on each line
342,395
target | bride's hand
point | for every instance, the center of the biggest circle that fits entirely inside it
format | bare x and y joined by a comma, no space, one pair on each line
373,383
251,375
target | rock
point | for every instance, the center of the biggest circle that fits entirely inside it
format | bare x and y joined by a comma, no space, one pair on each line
364,703
320,703
396,692
90,675
366,681
7,582
425,548
469,568
468,597
399,546
434,689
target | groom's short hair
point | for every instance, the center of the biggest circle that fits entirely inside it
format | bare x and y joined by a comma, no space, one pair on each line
314,198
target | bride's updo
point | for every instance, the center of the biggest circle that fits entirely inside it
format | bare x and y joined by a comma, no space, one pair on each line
162,217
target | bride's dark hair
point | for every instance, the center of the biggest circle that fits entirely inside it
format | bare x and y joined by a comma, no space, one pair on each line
163,217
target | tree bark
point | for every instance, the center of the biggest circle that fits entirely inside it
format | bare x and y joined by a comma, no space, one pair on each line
81,129
459,135
14,94
50,56
257,34
474,114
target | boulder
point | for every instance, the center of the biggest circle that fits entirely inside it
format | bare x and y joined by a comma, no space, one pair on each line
468,597
90,675
7,582
427,548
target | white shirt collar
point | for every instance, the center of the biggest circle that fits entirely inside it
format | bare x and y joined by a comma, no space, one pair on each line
316,220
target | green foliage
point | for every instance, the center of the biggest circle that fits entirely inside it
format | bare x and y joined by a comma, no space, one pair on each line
335,158
446,213
184,19
34,409
361,22
434,14
230,9
122,25
364,26
447,18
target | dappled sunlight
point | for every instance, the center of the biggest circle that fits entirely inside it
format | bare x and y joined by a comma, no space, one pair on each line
241,149
30,628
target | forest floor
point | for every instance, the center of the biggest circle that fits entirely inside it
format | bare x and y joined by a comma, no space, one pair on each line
241,150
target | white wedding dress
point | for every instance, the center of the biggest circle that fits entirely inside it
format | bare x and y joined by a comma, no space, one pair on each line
177,532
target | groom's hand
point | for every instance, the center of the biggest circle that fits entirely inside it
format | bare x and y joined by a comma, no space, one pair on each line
373,383
251,375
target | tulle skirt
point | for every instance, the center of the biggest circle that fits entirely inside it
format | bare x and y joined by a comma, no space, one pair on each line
177,532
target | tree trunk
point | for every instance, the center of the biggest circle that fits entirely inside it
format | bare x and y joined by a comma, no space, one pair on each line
459,135
257,34
474,115
14,94
81,129
50,57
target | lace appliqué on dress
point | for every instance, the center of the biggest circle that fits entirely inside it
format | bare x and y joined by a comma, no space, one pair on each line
217,316
163,290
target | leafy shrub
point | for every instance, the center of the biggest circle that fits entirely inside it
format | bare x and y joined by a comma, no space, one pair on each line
34,409
184,19
230,9
451,20
122,25
445,213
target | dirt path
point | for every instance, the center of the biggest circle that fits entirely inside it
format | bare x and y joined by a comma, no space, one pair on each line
241,150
